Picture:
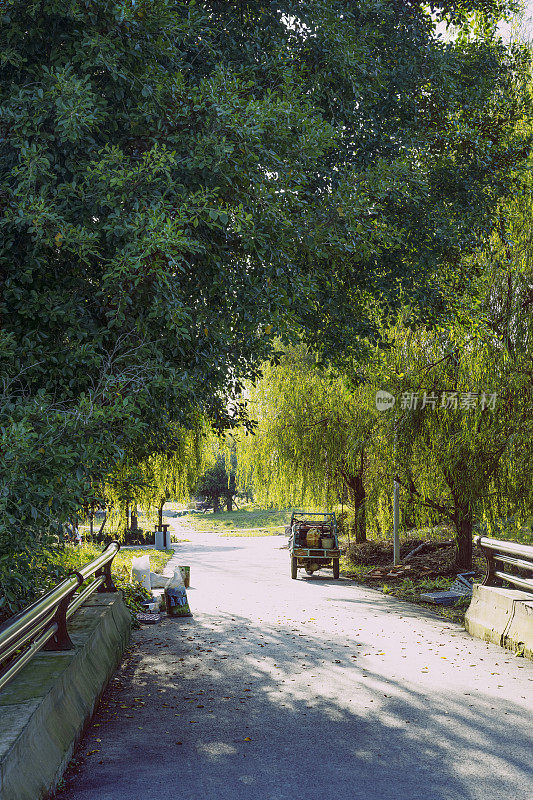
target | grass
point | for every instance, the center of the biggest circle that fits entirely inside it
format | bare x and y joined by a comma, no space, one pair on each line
243,522
411,590
356,571
253,532
133,594
72,557
239,523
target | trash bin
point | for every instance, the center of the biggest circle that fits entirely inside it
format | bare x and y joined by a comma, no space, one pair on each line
162,540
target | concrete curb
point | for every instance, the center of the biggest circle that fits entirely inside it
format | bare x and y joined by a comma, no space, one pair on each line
44,709
502,616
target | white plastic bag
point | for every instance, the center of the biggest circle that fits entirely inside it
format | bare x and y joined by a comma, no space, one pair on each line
176,580
158,581
140,570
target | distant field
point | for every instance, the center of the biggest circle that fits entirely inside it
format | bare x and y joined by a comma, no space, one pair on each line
239,523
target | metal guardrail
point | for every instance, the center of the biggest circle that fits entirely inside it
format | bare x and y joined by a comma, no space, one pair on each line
511,555
43,624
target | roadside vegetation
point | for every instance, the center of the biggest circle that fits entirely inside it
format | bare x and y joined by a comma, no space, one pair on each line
60,561
133,593
73,557
430,569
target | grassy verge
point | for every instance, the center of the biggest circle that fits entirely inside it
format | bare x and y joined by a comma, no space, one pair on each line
72,557
239,523
410,590
51,566
430,570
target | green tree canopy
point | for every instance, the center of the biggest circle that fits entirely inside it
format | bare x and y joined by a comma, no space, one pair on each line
176,177
465,397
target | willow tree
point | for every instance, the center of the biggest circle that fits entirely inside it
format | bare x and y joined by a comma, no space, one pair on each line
311,443
461,425
147,483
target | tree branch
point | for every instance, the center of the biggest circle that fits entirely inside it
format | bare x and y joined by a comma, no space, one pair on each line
424,500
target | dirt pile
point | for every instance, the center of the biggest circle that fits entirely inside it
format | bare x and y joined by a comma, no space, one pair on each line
431,560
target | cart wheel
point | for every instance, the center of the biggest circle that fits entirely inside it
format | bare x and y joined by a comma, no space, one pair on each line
335,568
294,567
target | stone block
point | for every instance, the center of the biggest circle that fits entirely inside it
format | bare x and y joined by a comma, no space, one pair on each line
44,709
502,616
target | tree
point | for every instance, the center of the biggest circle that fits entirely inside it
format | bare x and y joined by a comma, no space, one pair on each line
184,174
217,486
313,441
463,430
161,476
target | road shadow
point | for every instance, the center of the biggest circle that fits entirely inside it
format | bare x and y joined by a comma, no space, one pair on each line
218,707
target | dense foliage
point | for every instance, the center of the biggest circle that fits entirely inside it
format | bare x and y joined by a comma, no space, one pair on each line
312,442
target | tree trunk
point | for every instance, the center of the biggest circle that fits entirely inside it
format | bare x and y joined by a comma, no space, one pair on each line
463,523
357,495
229,502
360,523
160,516
101,530
216,504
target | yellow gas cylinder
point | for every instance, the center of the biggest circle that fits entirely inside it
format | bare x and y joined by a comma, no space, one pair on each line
313,538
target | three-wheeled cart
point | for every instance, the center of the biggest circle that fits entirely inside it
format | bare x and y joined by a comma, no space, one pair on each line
313,542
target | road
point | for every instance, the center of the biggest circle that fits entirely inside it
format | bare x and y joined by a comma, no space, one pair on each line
307,689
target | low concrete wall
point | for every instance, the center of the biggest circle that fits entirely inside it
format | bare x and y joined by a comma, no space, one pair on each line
44,709
502,616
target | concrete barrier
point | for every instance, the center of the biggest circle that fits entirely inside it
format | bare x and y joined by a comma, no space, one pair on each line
502,616
44,709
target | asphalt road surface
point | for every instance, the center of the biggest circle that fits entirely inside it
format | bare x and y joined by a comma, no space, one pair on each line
312,689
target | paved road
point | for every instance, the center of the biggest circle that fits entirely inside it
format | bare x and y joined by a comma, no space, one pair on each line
304,690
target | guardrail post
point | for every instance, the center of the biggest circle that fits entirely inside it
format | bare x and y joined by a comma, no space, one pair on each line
108,585
61,639
490,578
